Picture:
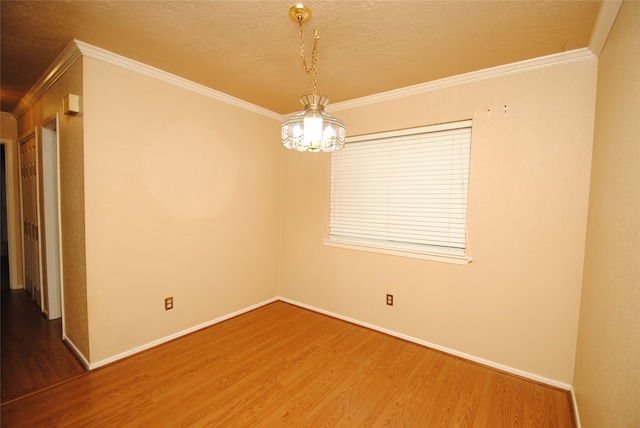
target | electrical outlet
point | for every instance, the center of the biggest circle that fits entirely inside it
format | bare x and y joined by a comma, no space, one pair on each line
168,303
390,299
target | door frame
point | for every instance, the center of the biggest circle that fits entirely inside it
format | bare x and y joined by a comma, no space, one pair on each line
13,210
47,150
50,180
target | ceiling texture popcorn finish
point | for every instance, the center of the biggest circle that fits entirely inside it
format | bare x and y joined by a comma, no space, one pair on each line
248,49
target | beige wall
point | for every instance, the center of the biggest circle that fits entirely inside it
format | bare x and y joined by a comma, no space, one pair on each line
607,373
182,200
517,303
71,197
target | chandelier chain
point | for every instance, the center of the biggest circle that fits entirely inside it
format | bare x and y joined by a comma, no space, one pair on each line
313,69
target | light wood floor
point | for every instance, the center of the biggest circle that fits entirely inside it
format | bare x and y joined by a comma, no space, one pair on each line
281,365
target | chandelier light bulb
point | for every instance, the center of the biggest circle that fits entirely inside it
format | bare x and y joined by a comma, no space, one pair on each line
312,128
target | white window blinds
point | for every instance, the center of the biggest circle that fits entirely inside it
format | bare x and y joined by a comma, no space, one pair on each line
403,190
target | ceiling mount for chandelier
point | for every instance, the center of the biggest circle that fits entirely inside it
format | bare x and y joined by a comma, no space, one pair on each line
312,129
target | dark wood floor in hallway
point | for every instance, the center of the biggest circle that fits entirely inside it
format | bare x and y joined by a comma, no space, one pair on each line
33,354
281,365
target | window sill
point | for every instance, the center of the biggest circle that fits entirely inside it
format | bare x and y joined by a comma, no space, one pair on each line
371,248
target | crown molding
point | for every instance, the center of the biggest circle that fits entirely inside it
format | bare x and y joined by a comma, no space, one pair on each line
606,18
578,55
67,57
76,49
138,67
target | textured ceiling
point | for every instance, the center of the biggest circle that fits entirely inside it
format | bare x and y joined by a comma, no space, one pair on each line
250,49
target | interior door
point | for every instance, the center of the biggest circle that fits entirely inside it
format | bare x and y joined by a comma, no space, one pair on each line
30,224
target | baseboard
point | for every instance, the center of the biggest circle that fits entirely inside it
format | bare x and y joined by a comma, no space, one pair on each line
492,364
93,366
446,350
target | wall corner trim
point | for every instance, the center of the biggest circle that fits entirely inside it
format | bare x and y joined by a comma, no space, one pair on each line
577,55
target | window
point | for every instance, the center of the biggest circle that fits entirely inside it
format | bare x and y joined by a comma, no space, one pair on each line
403,192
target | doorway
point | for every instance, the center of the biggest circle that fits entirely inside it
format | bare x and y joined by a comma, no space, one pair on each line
4,231
39,179
10,213
34,355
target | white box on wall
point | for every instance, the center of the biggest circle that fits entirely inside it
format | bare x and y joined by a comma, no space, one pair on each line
71,104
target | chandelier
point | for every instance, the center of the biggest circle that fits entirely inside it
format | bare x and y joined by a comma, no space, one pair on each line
313,129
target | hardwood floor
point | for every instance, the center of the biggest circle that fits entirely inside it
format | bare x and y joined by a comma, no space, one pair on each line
281,365
33,354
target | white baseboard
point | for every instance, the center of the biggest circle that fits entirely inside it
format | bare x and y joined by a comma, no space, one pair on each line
469,357
130,352
498,366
